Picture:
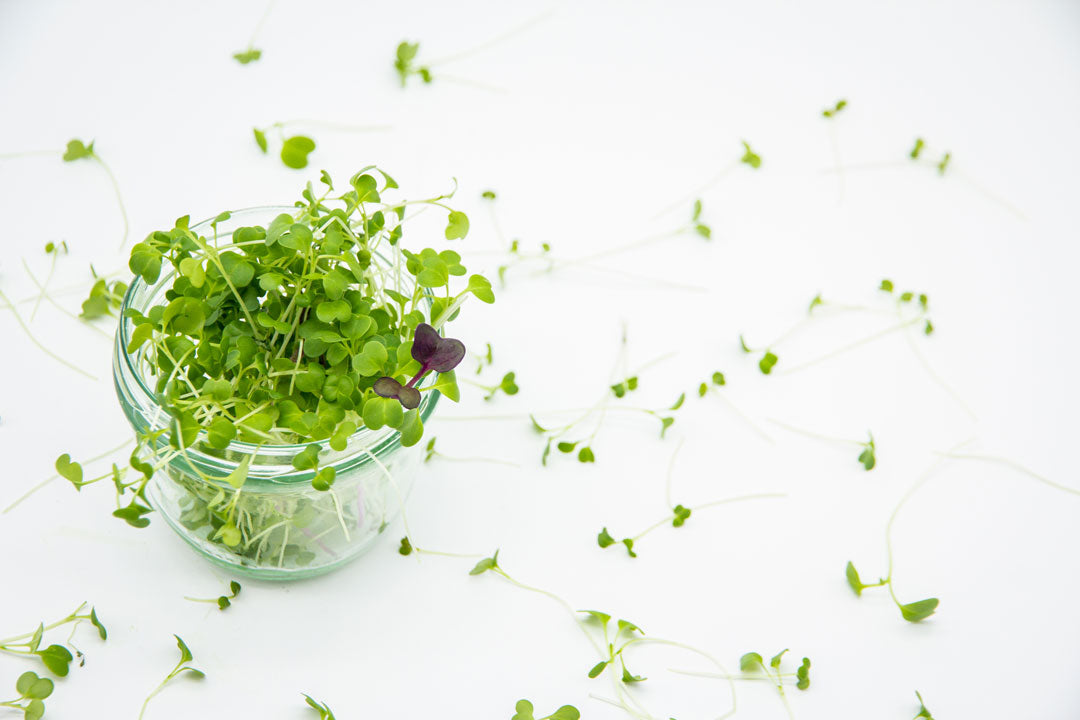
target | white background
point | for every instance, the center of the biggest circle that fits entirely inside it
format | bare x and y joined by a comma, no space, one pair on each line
597,116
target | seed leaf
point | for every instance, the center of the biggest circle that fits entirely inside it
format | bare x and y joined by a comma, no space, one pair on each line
919,610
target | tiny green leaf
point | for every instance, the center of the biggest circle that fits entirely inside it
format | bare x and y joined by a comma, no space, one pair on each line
919,610
490,563
457,226
751,662
295,151
767,362
853,579
76,150
802,675
406,547
604,539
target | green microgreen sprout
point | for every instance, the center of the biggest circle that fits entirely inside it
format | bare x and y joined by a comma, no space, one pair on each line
53,250
251,53
867,450
508,386
181,668
544,262
32,691
588,621
750,157
294,148
137,506
524,711
713,385
105,298
485,360
923,712
620,389
678,515
830,113
77,150
325,713
56,658
406,64
753,663
222,601
917,151
835,109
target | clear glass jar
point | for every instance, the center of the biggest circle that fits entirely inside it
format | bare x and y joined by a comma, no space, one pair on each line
288,529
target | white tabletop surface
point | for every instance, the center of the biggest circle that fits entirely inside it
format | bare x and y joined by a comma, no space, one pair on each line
586,123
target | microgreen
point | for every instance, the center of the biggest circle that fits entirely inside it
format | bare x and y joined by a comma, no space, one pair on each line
251,53
923,712
524,711
677,516
912,612
222,601
750,157
55,657
917,150
78,150
181,668
628,385
105,297
867,450
624,628
430,350
753,663
835,109
294,148
33,690
404,63
325,713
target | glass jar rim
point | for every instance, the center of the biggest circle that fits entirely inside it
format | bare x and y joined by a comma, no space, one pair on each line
379,442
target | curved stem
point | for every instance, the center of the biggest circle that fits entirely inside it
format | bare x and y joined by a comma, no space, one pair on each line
47,351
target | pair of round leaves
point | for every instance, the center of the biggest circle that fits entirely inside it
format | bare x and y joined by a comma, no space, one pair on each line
433,352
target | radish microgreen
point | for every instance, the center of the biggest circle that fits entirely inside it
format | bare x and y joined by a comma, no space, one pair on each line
181,668
222,601
524,711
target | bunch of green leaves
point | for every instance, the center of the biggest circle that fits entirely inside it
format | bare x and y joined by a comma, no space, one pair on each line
912,612
181,668
222,601
524,711
279,336
325,713
32,692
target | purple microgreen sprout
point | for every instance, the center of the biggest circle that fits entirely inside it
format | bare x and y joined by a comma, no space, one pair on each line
433,352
